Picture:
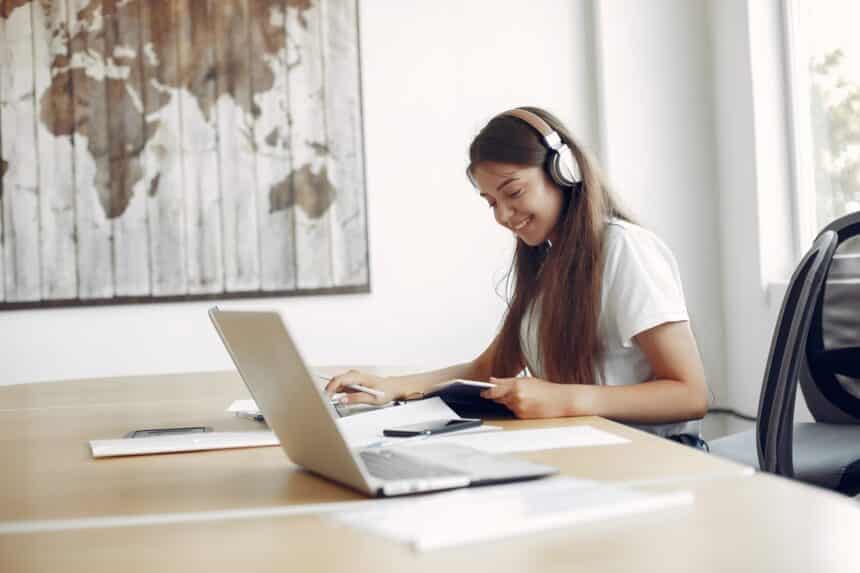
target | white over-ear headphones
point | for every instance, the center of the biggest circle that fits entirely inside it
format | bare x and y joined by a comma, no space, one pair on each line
561,164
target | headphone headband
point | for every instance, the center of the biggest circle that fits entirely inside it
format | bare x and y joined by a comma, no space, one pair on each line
549,135
561,164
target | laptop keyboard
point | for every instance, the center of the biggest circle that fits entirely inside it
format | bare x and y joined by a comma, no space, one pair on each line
389,465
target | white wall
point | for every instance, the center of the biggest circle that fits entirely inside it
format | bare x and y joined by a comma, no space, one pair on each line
754,187
430,81
433,73
656,100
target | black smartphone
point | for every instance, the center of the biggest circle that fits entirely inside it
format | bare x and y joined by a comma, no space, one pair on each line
168,431
433,427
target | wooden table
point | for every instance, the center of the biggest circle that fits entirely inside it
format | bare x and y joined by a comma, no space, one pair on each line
221,510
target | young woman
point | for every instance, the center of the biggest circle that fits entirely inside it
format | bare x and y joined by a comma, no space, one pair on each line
597,317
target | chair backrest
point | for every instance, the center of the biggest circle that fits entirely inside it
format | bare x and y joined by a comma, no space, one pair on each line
830,370
776,403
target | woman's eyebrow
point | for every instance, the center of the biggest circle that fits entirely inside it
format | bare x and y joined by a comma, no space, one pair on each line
502,184
505,182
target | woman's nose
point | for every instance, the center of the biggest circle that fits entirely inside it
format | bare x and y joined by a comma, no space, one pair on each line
503,213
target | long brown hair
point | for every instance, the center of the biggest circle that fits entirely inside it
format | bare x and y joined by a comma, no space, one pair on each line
566,277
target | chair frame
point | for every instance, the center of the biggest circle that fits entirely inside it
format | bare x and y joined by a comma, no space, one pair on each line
775,422
828,401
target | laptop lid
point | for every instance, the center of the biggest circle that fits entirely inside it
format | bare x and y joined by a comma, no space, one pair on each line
296,409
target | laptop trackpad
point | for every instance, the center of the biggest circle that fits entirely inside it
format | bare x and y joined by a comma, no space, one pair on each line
481,466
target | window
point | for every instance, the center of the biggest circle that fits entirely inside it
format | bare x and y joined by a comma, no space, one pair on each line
823,70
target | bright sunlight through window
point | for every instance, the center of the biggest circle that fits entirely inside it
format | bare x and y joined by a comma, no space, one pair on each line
823,46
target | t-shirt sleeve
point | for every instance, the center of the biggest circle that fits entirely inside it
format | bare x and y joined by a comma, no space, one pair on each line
643,287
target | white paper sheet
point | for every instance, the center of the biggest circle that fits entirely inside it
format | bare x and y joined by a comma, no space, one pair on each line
181,443
249,408
541,439
483,513
359,430
244,406
366,429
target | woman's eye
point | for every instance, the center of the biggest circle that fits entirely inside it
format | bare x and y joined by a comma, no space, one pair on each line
516,193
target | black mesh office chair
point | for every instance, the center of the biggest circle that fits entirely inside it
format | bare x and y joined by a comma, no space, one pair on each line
820,454
830,371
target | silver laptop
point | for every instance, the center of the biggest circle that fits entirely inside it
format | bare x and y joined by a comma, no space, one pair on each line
299,413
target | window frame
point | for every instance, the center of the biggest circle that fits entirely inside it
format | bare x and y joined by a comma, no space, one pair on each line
801,159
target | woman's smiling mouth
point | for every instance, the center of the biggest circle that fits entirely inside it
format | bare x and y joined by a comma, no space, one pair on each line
522,224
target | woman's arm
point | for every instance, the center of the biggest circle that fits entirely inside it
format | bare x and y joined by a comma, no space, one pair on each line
677,392
397,387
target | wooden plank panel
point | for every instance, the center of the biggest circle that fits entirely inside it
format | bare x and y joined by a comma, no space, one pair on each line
200,147
92,160
236,147
56,153
166,204
127,140
4,164
21,193
312,191
276,218
344,135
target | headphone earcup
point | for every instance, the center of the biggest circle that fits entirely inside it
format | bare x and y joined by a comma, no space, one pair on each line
563,167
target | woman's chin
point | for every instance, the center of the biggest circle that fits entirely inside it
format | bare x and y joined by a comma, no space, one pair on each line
531,240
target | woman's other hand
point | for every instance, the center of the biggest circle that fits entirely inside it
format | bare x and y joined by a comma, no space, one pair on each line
530,397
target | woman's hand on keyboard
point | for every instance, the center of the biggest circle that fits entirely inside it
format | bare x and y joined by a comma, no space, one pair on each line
361,388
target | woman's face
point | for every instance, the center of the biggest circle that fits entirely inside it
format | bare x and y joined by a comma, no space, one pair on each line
523,199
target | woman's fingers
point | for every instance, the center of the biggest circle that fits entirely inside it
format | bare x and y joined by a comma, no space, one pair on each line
356,388
497,392
355,396
339,382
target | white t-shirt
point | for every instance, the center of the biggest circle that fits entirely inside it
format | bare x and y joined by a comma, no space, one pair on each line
641,289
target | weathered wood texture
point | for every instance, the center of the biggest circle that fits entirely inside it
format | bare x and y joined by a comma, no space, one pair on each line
197,64
92,153
127,131
55,155
21,182
311,186
4,164
272,142
345,161
168,149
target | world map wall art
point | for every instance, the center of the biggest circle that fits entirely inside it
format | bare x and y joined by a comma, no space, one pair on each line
155,150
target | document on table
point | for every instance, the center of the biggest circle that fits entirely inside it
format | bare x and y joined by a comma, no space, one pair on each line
249,409
366,429
243,407
491,512
540,439
359,430
192,442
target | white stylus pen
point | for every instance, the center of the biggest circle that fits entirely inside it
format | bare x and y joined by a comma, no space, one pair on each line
366,390
357,388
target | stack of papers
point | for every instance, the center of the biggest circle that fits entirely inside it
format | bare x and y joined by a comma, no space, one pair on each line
484,513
